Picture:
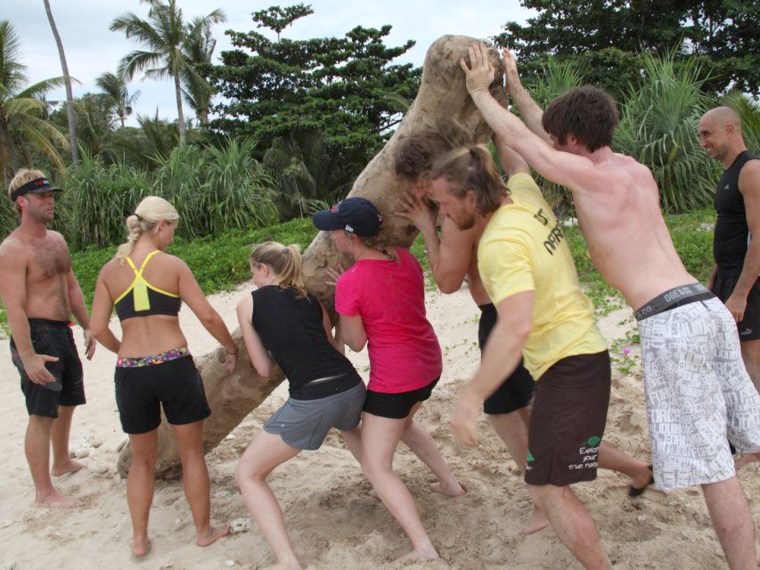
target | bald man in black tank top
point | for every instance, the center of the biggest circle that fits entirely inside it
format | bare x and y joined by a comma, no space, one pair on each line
737,255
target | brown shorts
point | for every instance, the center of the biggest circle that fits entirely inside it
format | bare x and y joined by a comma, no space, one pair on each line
568,420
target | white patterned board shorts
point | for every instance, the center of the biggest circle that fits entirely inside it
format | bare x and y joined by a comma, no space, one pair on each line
699,395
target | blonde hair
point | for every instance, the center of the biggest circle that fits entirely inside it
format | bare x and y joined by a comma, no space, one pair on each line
148,214
472,168
22,176
285,261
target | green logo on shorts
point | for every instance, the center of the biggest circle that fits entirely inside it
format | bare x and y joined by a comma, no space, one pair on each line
595,440
530,459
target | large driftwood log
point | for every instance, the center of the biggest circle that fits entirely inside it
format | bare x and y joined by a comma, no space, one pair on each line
442,104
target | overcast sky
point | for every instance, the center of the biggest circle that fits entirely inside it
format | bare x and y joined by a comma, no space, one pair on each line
92,49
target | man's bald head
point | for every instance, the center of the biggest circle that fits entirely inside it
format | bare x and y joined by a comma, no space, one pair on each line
720,134
722,116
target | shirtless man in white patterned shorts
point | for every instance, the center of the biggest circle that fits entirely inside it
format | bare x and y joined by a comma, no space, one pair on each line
698,391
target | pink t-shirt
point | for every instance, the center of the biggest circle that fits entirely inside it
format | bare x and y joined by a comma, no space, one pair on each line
389,296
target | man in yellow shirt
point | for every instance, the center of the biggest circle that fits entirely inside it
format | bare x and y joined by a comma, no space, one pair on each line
528,272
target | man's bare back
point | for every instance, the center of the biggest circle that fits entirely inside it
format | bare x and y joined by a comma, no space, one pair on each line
618,210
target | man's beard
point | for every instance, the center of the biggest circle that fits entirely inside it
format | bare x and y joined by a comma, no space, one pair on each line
466,224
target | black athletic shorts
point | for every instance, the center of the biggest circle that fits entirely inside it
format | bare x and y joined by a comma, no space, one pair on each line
568,420
723,286
516,391
396,406
176,385
53,338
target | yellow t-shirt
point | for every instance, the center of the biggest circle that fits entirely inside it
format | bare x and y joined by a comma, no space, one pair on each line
523,249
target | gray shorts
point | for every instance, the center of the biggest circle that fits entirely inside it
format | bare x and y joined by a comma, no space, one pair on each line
699,395
304,424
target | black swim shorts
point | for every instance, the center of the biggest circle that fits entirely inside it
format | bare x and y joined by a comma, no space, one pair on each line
516,392
176,385
396,406
53,338
749,326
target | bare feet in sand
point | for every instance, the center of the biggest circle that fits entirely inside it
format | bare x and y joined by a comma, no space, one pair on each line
538,521
211,535
415,556
453,490
140,546
55,500
70,466
745,459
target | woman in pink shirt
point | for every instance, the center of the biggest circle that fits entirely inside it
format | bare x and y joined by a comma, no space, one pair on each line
381,302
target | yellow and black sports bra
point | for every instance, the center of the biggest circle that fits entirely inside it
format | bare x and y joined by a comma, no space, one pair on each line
142,299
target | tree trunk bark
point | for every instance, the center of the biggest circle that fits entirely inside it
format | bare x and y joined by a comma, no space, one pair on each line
69,91
441,104
180,111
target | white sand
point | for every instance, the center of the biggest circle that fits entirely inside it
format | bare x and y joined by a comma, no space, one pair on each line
334,520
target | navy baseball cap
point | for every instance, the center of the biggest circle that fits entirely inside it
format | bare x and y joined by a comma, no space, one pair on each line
36,186
354,215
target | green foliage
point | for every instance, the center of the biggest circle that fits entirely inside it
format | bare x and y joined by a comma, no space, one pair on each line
98,199
120,101
658,128
286,92
164,35
721,34
8,217
24,131
93,121
214,190
749,113
692,235
576,26
304,174
199,48
545,81
277,19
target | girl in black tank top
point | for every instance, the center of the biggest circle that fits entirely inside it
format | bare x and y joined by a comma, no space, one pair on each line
282,324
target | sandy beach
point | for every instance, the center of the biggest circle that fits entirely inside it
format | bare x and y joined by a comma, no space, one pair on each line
334,519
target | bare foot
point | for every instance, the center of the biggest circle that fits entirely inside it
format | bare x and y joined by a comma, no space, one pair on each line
141,546
211,535
417,556
538,521
641,482
57,501
745,459
70,467
643,479
455,490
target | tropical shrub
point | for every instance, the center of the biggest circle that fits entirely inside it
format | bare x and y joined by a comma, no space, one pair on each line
658,126
98,199
217,188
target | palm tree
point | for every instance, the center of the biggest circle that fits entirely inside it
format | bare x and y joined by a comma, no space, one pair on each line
163,34
23,128
199,47
67,80
116,89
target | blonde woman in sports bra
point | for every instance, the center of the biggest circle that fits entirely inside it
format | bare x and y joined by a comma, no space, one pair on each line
146,287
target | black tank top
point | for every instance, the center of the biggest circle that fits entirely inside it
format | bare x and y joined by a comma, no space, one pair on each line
291,330
731,236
